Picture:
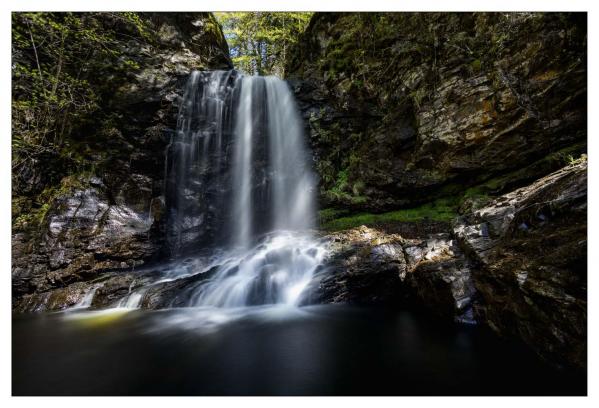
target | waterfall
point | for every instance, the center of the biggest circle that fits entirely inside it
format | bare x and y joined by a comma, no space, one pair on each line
242,174
239,177
195,158
292,183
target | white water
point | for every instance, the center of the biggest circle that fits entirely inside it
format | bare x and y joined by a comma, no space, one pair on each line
86,301
242,167
195,161
292,183
276,271
277,190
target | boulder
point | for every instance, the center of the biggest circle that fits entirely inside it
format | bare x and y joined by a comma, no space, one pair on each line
372,267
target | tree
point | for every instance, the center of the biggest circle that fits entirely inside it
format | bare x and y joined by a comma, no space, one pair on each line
259,41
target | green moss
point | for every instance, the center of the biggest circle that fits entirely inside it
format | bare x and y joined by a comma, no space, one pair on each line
33,218
441,210
330,214
27,214
418,96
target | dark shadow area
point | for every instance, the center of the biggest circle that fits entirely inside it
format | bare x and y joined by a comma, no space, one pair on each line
323,350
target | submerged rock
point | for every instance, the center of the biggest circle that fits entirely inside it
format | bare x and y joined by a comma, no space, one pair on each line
531,250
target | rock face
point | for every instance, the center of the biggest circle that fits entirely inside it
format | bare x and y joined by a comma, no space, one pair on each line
439,276
404,107
111,215
89,231
531,248
370,266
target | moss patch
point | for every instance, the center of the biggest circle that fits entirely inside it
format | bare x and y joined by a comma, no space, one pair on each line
441,210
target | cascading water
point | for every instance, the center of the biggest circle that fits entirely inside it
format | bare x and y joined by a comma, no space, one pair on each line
195,159
238,175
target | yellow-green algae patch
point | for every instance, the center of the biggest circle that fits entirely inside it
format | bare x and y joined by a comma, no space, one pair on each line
98,318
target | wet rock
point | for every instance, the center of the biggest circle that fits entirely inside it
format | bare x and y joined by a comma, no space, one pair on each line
57,299
370,266
440,276
365,267
532,281
113,288
175,293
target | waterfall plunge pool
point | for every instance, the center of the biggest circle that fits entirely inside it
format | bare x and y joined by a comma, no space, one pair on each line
271,350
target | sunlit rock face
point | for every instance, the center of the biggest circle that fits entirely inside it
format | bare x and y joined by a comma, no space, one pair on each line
89,231
371,266
531,245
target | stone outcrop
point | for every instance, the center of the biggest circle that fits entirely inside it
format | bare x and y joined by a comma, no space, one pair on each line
439,276
405,107
531,250
371,267
517,265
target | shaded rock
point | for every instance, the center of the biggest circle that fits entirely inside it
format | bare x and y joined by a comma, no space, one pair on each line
412,106
176,293
531,245
116,287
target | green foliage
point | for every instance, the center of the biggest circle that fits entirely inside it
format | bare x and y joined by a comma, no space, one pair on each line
443,210
582,159
63,66
476,65
343,191
259,41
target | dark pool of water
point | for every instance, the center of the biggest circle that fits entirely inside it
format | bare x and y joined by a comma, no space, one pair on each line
325,350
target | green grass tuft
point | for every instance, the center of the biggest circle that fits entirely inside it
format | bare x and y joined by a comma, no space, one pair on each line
440,210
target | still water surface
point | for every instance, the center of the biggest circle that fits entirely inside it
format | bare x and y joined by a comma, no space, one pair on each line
317,350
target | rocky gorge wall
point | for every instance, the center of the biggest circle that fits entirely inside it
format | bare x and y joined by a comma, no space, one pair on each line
403,108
